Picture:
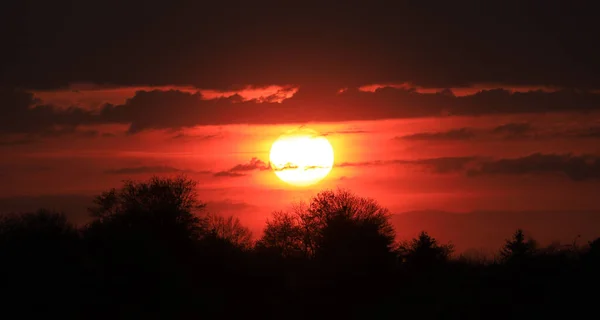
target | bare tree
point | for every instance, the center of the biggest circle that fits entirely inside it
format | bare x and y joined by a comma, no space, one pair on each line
229,229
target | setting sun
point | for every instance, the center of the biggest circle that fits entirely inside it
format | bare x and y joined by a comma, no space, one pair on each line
301,157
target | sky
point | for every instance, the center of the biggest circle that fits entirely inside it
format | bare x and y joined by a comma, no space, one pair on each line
464,119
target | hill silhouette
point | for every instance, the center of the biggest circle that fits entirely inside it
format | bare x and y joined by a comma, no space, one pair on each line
153,249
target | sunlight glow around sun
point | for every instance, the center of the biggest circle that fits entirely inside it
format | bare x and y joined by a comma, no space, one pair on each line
301,157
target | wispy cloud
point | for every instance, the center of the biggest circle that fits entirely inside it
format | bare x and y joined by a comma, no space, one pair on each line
454,134
242,169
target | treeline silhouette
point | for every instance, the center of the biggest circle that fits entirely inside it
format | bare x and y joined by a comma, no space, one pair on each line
152,251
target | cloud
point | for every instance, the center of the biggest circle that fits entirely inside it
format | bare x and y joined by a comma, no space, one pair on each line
576,168
174,110
240,170
154,110
442,165
514,130
201,137
254,164
454,134
457,91
289,166
508,131
92,96
229,174
152,169
21,113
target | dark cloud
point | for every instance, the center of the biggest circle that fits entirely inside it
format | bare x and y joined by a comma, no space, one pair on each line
254,164
21,113
508,131
156,110
153,170
440,165
288,166
576,168
242,169
182,136
229,174
173,110
514,130
454,134
218,44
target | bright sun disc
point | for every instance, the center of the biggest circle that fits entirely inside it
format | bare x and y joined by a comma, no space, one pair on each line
301,157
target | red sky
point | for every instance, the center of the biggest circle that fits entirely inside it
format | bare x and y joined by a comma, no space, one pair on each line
417,164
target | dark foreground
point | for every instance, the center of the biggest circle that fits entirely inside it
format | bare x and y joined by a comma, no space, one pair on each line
150,252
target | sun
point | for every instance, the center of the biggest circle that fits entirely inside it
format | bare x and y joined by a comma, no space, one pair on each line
301,157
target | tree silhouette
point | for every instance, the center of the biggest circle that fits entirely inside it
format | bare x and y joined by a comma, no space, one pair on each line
594,247
344,236
332,218
329,210
518,247
592,256
424,251
163,206
283,235
229,229
151,250
145,242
